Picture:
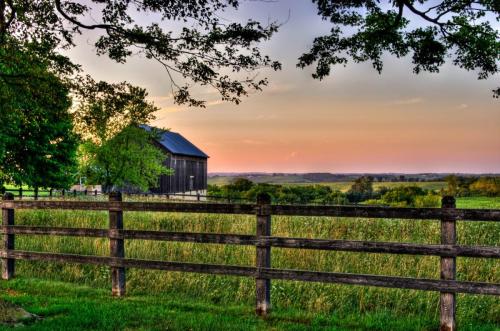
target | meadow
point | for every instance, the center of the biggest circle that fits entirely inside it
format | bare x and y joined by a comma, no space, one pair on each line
338,302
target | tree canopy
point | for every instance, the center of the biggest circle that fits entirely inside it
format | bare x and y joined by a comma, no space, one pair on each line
37,143
105,109
187,38
431,31
128,160
115,151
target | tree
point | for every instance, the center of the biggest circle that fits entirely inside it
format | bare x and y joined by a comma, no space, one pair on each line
459,28
240,185
203,49
116,152
106,109
486,186
128,160
361,189
37,143
452,182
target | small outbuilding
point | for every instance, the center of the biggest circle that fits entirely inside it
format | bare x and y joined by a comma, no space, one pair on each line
188,162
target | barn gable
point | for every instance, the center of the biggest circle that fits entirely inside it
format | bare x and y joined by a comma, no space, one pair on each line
188,162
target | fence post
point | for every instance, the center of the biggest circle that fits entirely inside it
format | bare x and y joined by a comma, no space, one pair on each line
263,258
117,247
448,267
21,192
8,265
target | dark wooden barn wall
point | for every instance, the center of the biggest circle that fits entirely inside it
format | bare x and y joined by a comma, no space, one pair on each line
184,167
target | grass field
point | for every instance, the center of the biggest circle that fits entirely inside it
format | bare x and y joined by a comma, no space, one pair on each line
193,301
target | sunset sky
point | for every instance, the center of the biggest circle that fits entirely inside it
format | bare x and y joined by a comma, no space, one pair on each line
354,121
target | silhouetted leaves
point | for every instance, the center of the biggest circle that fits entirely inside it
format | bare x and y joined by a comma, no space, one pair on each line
187,38
363,30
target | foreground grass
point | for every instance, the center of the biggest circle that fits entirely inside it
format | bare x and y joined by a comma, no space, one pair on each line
332,304
63,306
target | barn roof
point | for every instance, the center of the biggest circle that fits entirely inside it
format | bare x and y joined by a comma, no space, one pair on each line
176,144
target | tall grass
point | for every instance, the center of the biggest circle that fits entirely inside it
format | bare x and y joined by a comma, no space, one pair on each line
343,299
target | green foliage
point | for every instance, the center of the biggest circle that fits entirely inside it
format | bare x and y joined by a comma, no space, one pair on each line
404,196
127,160
240,185
106,109
458,186
37,143
361,189
486,186
116,153
470,186
203,50
365,30
410,196
243,188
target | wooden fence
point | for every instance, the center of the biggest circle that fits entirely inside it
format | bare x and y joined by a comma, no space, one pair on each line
35,194
448,250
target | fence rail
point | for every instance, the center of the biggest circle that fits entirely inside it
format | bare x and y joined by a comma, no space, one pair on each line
447,250
61,193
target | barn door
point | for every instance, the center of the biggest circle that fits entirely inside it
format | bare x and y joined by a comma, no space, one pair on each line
191,183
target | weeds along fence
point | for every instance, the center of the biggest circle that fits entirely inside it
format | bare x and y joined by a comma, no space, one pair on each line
263,241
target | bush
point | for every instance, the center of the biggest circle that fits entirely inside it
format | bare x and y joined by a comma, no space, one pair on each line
310,194
410,196
486,186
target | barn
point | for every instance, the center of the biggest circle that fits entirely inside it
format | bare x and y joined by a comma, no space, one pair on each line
188,162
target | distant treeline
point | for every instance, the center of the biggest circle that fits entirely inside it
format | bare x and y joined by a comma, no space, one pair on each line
361,192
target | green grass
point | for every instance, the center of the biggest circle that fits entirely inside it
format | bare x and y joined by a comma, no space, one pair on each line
63,306
27,191
478,202
329,305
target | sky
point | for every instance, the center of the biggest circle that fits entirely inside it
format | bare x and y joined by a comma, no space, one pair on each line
353,121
